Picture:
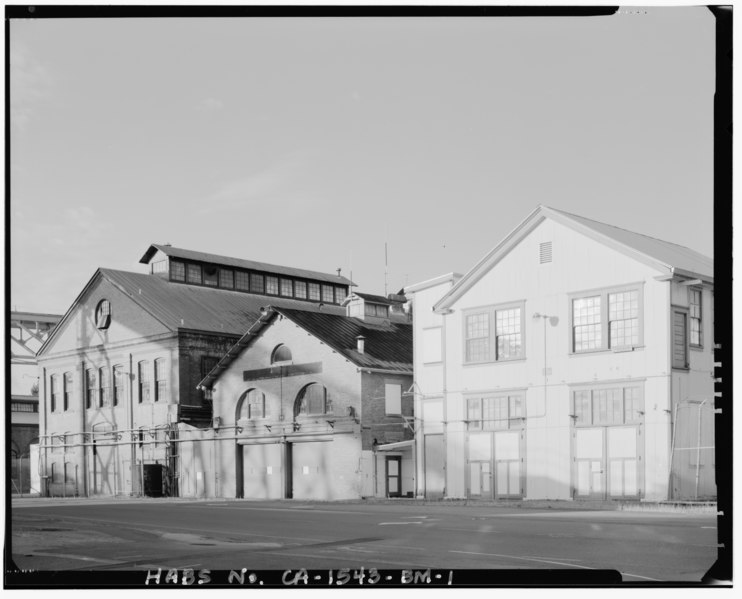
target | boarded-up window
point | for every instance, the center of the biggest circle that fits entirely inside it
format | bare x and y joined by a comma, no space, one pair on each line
393,397
432,346
679,339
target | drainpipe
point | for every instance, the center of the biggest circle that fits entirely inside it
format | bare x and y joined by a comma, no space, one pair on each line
83,412
45,436
130,377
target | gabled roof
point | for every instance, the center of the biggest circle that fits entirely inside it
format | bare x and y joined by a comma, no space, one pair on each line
240,263
376,299
668,258
387,347
188,307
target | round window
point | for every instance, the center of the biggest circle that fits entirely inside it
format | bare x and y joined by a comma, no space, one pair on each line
103,314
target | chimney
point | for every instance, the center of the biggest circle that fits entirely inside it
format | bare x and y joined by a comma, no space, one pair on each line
360,343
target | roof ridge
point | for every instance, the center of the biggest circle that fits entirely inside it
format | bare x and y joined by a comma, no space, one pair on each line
600,222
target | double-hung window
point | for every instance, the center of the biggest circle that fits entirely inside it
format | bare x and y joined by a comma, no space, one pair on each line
118,384
104,379
144,381
91,388
695,305
606,319
67,390
494,334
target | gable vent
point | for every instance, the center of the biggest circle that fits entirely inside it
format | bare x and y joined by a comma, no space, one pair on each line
544,252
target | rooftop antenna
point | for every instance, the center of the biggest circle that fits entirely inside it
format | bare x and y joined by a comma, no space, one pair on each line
386,265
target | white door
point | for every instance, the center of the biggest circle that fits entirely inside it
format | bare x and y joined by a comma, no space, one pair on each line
508,464
588,455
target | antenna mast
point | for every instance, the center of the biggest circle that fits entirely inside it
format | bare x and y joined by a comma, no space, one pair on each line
386,265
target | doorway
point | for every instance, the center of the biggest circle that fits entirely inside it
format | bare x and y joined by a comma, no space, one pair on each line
394,476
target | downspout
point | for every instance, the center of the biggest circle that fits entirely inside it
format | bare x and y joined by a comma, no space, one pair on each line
132,443
444,380
45,491
83,412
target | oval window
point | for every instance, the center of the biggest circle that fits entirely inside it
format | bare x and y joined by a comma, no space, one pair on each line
103,314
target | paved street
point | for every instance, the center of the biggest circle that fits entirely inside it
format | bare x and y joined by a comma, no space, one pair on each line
225,535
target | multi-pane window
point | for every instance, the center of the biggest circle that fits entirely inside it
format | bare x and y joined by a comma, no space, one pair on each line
118,384
327,294
494,334
257,283
160,379
54,383
314,291
494,413
211,276
300,289
67,390
376,310
680,339
193,273
103,314
226,278
242,281
91,388
144,380
508,334
104,379
608,406
177,271
281,353
586,325
695,317
610,319
287,289
477,337
623,318
313,399
340,294
254,405
271,285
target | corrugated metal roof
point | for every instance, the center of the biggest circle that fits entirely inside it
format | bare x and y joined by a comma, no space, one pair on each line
672,254
180,306
240,263
387,346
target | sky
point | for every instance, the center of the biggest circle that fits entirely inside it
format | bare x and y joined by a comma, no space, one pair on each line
315,143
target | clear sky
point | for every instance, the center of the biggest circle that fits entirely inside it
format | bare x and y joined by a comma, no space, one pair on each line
312,142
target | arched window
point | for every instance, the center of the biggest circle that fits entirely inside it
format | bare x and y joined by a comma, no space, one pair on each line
281,354
252,406
312,399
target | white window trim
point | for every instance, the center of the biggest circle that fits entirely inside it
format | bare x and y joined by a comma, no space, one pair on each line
621,384
699,346
514,423
603,292
686,311
491,311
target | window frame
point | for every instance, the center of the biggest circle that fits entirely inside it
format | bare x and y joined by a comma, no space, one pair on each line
691,318
68,382
592,421
160,384
143,384
54,395
103,314
603,293
475,411
327,403
103,391
686,337
117,390
91,387
493,355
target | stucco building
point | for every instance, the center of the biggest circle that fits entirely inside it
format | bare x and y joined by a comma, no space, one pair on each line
574,360
315,405
119,374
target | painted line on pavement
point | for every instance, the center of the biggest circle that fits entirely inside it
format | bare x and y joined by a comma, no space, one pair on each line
296,510
637,576
528,559
83,558
397,523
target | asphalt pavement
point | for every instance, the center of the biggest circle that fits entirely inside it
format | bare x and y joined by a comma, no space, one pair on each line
147,535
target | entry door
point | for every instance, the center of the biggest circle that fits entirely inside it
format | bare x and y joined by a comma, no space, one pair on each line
393,476
623,461
434,469
589,474
508,464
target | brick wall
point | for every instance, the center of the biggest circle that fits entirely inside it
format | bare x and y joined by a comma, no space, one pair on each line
376,424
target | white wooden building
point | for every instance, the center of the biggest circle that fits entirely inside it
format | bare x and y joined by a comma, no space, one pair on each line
574,360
